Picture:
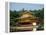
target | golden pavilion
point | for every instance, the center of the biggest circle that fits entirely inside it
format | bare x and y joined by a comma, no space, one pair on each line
27,21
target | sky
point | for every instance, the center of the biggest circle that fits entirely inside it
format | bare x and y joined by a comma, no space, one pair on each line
26,6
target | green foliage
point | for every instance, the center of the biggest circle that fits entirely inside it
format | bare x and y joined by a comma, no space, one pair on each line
40,14
13,16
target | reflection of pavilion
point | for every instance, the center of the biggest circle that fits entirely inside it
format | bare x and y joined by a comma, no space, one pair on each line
26,21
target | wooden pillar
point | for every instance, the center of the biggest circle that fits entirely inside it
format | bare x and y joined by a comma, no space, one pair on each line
34,26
